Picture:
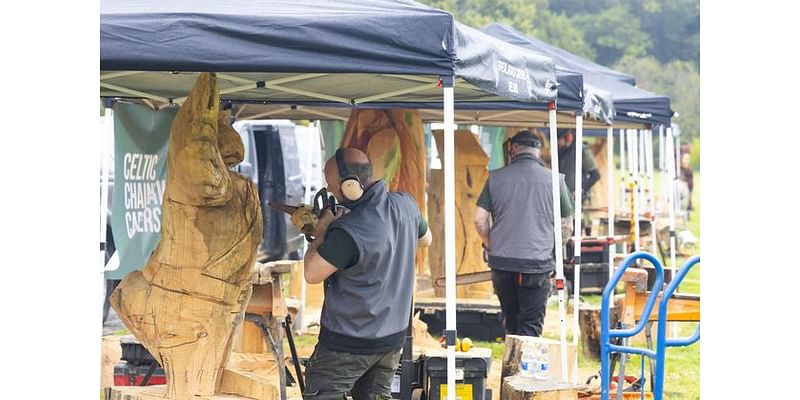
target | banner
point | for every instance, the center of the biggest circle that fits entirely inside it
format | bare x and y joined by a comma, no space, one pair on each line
141,140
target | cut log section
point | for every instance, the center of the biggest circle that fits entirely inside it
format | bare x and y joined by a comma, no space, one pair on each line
589,322
522,388
151,393
512,356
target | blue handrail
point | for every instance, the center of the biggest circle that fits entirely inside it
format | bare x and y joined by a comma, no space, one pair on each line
663,342
606,333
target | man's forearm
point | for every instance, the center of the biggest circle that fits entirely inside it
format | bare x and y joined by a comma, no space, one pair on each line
483,232
314,245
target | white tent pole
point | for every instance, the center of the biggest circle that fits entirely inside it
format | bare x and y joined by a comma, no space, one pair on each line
643,184
677,161
576,282
450,235
623,139
610,167
106,128
557,233
652,185
671,197
662,166
635,170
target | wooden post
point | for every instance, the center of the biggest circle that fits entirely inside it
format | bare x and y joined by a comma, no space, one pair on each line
589,322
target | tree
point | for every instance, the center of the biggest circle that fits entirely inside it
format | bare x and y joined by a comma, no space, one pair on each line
532,18
614,33
680,80
673,26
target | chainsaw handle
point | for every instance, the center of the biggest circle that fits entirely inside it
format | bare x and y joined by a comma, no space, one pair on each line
323,201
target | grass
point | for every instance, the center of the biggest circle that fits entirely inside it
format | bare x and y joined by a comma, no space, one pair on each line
682,379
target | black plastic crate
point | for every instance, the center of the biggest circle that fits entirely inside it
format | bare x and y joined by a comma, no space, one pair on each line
134,353
474,371
593,250
594,277
478,321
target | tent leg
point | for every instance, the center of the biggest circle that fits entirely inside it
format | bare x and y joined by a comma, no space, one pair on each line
634,152
107,129
671,197
450,234
576,282
559,250
611,177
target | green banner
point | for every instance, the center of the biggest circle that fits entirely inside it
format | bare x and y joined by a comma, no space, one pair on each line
141,140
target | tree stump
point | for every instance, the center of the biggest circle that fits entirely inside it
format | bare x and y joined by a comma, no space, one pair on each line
512,355
589,322
521,388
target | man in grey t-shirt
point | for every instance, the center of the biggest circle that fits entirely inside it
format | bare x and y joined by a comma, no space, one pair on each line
514,219
366,259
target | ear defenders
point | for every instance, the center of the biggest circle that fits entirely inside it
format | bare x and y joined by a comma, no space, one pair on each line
351,187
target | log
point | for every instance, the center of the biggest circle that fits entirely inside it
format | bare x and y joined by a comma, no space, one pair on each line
111,355
589,322
156,392
521,388
512,355
186,302
389,137
471,175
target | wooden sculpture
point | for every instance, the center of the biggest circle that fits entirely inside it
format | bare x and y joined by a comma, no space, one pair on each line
395,143
471,174
184,304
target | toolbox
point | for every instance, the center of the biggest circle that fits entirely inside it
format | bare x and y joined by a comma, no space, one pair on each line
476,320
472,369
594,264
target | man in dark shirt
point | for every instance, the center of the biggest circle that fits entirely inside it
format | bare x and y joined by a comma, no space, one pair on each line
366,258
514,219
566,164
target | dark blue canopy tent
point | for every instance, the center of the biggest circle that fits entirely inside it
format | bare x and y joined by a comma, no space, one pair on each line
632,105
346,52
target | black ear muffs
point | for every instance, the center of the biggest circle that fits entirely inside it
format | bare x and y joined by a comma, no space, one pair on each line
351,187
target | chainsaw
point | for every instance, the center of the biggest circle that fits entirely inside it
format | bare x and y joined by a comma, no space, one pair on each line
305,217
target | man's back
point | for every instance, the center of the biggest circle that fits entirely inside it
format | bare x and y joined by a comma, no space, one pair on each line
521,235
367,299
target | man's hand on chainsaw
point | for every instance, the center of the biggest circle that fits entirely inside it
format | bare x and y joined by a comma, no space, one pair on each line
325,220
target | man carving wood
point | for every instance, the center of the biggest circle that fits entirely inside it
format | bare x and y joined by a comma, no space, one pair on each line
186,301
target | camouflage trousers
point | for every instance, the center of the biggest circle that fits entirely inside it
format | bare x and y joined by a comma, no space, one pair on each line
331,375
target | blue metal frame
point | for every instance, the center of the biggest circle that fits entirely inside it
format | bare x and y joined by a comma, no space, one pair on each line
663,341
606,334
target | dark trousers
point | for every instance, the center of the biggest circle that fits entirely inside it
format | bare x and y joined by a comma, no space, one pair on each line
330,374
523,300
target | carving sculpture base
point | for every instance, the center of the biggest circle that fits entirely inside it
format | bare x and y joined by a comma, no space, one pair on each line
158,393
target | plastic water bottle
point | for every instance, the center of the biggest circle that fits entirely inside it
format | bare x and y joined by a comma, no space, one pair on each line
528,359
542,369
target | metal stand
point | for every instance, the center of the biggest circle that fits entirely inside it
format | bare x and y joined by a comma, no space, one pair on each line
275,345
